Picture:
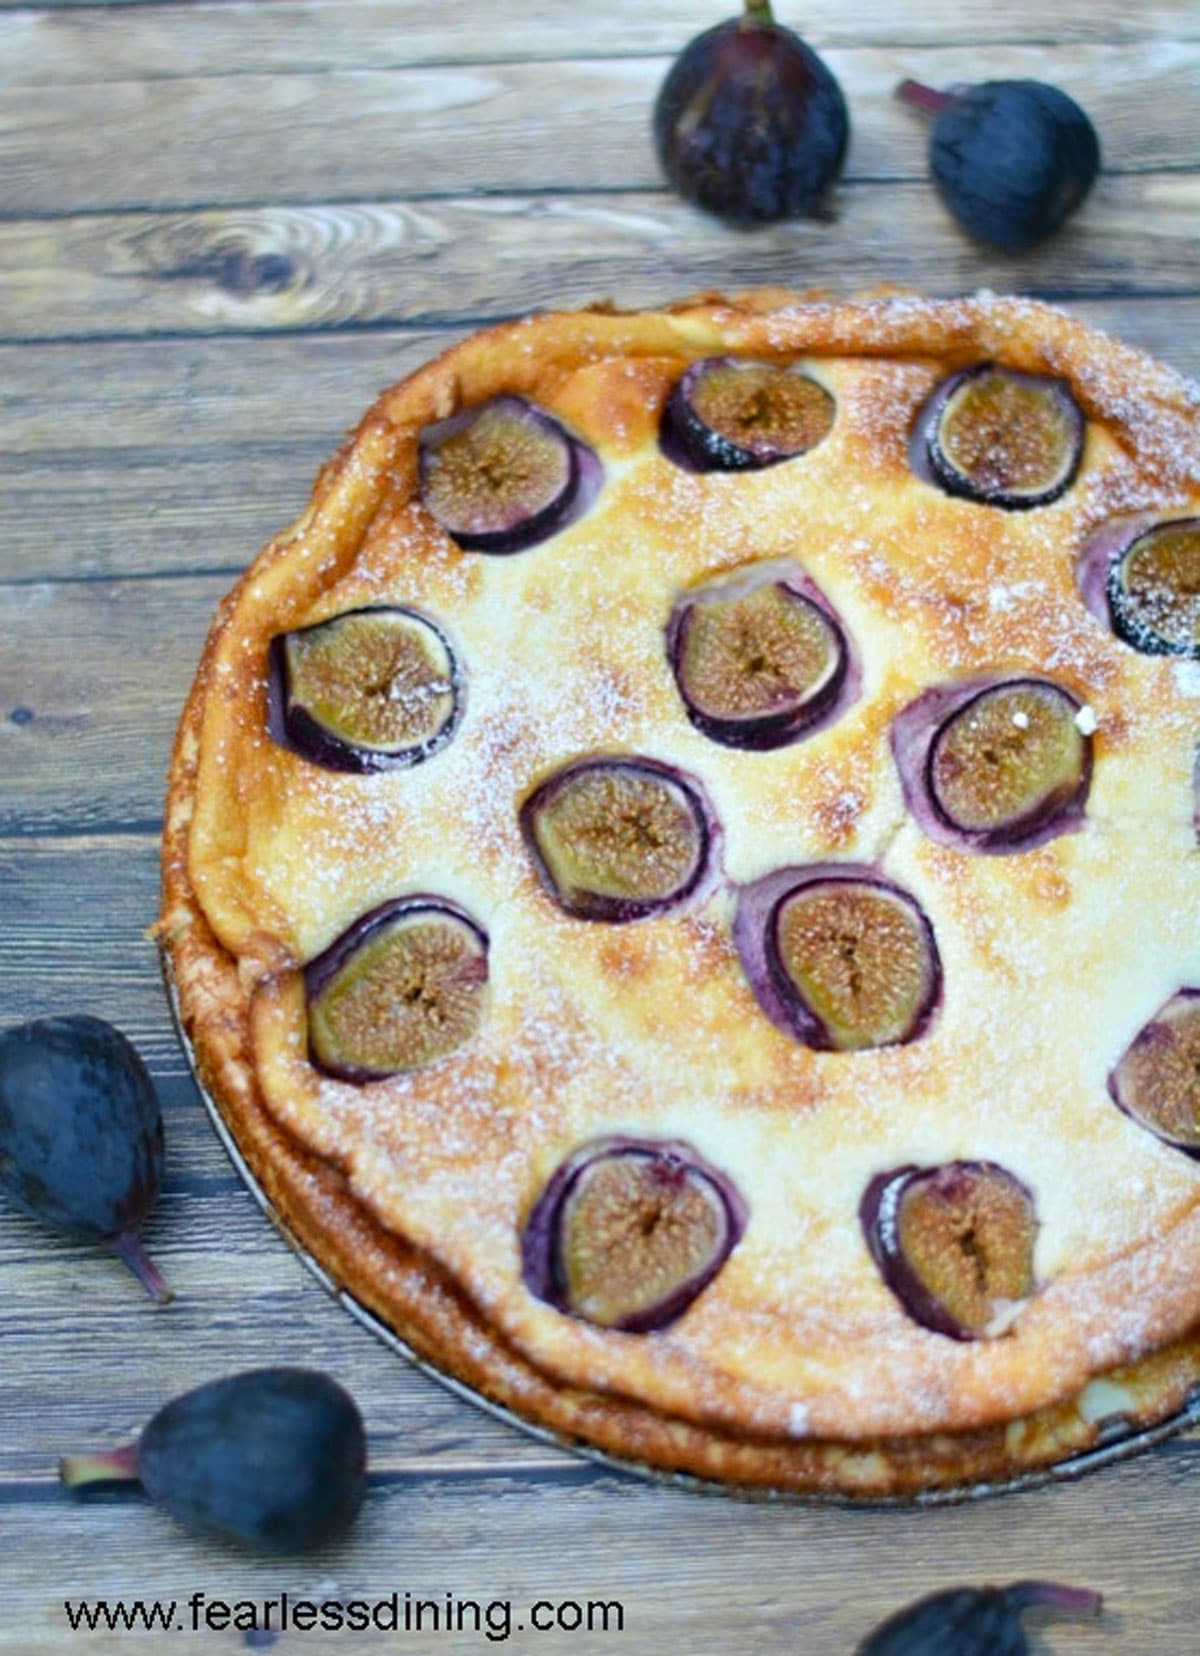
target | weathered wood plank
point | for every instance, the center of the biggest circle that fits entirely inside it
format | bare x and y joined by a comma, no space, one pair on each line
73,1317
73,40
253,138
438,261
187,455
116,459
714,1578
104,669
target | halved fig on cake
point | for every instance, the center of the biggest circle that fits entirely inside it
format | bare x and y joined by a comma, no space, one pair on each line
760,657
1157,1080
505,475
1142,579
994,764
628,1232
1000,437
620,839
954,1243
372,689
839,957
401,988
730,414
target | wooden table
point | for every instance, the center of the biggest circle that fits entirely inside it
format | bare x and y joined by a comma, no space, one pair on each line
224,227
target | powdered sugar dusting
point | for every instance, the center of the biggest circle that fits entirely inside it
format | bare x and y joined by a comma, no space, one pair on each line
651,1028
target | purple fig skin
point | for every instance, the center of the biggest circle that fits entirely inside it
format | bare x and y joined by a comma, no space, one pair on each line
915,730
541,1256
749,123
878,1212
1118,1080
323,968
617,911
693,446
974,1621
271,1459
754,935
81,1135
1103,548
290,725
585,476
930,464
781,729
1011,159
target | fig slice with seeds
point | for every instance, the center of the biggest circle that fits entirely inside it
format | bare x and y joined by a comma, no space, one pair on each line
504,475
1157,1081
619,839
401,988
628,1232
371,689
838,957
726,414
1000,437
760,658
994,765
1153,590
954,1243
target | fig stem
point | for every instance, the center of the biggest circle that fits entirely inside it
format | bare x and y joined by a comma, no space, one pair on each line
759,14
926,98
100,1466
1049,1595
129,1248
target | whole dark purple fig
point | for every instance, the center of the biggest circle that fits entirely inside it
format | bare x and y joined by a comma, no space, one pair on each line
274,1458
973,1621
1011,159
749,123
81,1134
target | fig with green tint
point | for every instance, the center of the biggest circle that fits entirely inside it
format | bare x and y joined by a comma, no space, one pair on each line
81,1135
619,839
505,475
369,690
401,988
628,1232
760,658
728,414
954,1244
838,957
994,765
274,1459
1157,1081
1000,437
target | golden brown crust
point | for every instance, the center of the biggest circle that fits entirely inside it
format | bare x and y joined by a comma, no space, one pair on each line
238,994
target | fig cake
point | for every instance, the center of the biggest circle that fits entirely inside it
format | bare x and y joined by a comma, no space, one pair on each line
681,878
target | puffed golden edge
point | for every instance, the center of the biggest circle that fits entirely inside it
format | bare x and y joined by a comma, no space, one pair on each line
409,1291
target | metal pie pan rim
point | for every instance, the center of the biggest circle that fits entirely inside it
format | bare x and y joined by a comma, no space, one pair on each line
1121,1446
